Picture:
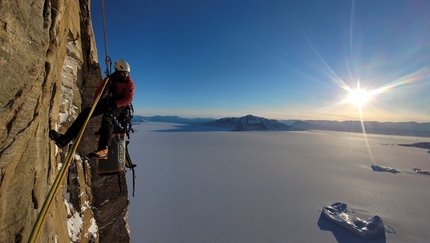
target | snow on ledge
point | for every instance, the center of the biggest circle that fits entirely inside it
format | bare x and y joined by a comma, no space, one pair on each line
92,231
74,222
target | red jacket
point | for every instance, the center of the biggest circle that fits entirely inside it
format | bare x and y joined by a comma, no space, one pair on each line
124,91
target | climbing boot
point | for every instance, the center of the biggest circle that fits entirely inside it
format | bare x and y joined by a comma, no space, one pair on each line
59,139
99,154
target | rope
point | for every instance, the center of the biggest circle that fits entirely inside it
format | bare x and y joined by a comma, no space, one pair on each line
129,164
108,61
60,177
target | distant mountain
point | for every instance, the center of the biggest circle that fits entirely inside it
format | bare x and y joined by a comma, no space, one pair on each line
387,128
253,123
250,123
171,119
245,123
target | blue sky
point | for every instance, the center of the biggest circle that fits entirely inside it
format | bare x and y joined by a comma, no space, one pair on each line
276,59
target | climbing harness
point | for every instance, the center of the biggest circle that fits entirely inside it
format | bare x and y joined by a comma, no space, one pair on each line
123,120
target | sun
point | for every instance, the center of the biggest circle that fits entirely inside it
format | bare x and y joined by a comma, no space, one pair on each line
359,97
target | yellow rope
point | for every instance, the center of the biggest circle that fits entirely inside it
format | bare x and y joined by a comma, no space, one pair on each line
62,173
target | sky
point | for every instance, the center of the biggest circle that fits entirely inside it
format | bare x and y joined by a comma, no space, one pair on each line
309,60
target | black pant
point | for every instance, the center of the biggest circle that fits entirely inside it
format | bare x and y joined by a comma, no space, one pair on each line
106,128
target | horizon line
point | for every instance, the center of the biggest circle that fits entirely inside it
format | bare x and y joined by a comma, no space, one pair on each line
283,119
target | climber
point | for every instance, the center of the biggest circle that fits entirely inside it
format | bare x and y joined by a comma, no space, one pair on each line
118,94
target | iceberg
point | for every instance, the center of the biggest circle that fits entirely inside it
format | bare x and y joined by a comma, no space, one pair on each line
339,214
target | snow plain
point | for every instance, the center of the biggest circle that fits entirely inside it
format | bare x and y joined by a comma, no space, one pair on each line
195,184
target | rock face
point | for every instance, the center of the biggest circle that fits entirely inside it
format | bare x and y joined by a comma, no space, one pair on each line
49,69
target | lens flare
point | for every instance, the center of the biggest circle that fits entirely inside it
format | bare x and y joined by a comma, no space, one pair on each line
359,97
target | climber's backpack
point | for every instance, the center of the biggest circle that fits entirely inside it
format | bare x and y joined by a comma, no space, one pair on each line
118,157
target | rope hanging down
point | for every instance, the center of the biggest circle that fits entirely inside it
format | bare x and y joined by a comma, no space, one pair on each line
108,61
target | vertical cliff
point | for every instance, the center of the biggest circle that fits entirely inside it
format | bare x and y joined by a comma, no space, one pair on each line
49,70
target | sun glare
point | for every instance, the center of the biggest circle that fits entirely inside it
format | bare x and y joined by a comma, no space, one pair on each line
359,97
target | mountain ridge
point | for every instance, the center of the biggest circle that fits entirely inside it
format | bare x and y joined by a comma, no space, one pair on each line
256,123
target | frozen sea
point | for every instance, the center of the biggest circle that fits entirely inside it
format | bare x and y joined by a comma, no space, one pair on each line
195,184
